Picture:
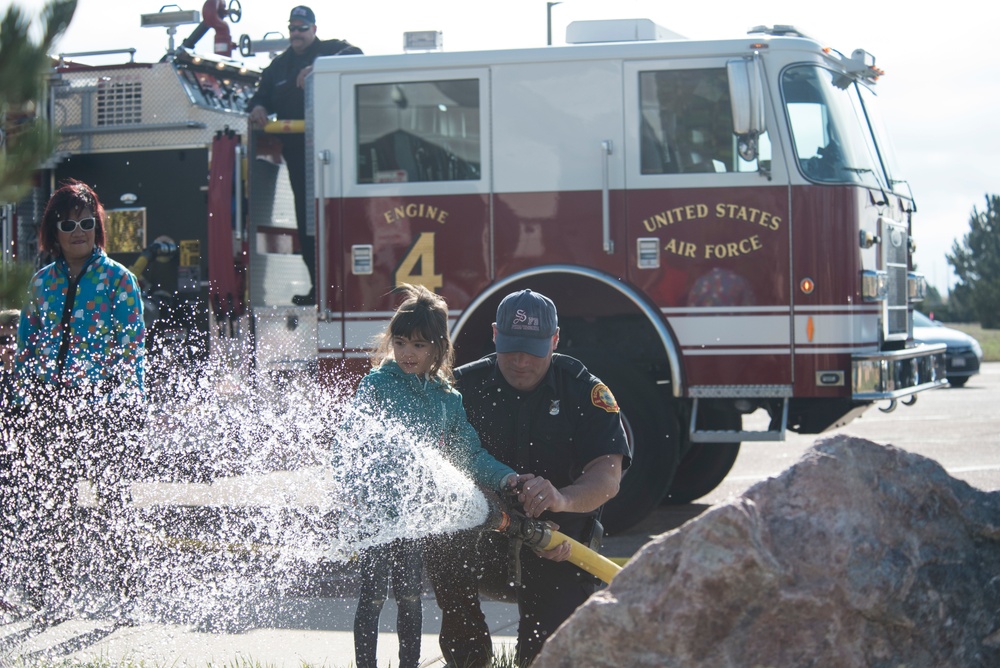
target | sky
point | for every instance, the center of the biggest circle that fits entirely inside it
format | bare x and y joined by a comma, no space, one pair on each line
940,94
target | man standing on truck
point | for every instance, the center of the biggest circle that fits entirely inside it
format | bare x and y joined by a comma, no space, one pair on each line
542,412
281,91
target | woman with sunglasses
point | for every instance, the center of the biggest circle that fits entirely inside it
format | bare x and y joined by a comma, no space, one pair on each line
79,394
82,328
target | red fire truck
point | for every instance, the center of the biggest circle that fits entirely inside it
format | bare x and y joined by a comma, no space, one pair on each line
722,225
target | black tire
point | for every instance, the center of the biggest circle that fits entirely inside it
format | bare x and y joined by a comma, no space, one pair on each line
705,465
958,382
653,432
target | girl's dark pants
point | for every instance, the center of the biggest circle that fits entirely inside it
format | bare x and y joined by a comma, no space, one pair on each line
400,562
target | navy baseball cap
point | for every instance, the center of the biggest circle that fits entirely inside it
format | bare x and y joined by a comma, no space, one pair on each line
526,323
304,14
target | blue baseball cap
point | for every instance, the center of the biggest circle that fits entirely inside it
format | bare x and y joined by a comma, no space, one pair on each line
304,14
526,323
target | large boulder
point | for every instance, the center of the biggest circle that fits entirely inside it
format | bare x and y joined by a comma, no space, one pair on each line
859,555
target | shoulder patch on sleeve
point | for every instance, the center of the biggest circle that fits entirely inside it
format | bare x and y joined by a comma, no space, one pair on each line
601,397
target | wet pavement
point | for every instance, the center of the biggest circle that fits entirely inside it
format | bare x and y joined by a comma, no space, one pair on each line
311,626
308,620
314,631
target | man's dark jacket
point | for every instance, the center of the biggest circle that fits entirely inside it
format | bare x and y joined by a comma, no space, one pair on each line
277,91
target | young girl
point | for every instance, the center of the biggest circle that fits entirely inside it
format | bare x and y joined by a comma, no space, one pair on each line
411,382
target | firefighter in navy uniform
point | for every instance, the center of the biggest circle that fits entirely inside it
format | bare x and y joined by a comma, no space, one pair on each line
545,413
281,91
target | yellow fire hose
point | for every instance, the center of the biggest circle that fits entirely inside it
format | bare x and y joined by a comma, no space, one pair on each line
539,535
582,556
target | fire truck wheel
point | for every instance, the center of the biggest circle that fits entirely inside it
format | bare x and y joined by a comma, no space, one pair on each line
702,470
653,433
705,465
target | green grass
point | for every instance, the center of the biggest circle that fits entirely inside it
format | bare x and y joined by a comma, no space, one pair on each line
989,339
106,663
505,659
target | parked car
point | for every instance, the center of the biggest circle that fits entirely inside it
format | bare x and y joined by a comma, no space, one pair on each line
964,354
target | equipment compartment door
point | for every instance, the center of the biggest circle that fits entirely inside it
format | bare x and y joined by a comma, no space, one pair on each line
558,165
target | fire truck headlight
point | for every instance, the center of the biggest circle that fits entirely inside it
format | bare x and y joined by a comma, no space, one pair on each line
867,239
916,287
874,285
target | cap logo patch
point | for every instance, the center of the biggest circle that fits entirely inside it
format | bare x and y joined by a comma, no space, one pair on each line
524,322
601,397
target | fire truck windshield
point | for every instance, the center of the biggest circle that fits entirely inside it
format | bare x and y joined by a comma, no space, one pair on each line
896,179
833,142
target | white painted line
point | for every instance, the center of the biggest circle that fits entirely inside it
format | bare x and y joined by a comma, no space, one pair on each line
973,469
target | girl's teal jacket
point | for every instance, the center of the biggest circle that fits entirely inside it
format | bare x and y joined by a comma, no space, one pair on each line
433,410
87,333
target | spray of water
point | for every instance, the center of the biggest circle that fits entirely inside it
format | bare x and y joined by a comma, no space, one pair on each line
232,493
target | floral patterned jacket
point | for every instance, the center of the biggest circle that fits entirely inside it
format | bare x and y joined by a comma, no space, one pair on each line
87,333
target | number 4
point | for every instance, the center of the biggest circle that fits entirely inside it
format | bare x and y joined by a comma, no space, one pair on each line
417,268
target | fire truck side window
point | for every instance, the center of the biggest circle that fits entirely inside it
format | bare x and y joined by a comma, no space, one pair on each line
686,123
418,131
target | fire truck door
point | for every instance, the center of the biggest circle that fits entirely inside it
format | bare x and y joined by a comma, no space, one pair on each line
708,236
411,202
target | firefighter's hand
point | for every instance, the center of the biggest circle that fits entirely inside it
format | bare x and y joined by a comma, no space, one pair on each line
258,117
538,495
558,553
300,80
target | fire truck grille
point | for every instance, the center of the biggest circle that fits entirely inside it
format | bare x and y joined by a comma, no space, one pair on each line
896,251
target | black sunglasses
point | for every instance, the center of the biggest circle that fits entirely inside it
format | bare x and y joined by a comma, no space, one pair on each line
68,226
299,28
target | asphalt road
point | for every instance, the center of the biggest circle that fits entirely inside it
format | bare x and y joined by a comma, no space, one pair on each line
957,427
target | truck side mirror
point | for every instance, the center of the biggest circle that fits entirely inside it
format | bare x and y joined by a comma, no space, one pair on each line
746,95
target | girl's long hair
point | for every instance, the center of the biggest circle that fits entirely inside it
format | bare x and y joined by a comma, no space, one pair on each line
425,314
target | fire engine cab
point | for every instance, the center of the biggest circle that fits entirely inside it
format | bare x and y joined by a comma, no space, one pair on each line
721,224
